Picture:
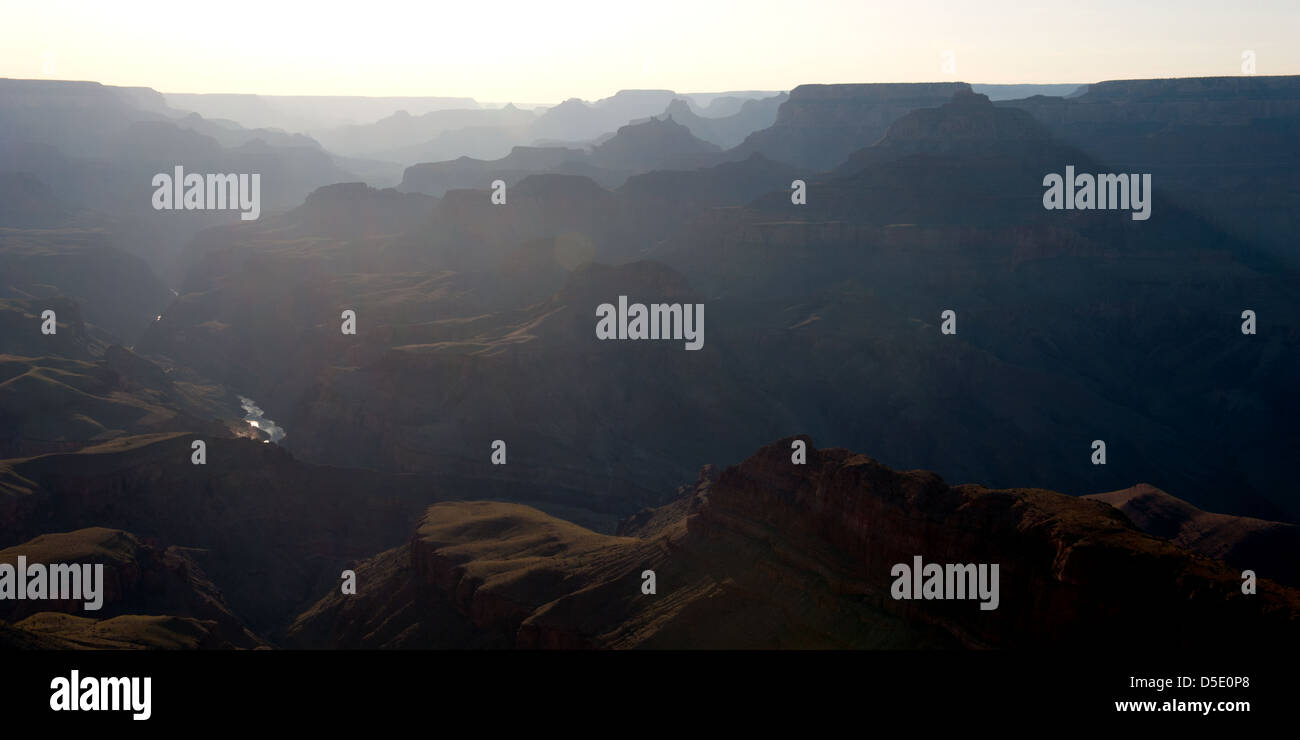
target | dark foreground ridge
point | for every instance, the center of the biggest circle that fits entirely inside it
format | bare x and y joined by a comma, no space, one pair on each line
766,554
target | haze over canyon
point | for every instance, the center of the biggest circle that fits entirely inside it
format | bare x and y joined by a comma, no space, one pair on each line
429,372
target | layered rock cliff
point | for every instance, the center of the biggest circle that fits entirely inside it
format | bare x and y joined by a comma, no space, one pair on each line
773,554
153,588
820,125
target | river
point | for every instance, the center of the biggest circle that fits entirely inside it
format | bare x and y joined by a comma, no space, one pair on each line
254,417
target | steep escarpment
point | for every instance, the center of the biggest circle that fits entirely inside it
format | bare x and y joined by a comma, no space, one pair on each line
139,579
819,125
271,530
751,115
115,290
1071,572
777,554
54,404
1224,147
593,418
946,212
656,143
1266,547
1209,101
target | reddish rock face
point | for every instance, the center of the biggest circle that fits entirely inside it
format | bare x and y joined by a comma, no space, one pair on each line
1072,572
1269,548
770,554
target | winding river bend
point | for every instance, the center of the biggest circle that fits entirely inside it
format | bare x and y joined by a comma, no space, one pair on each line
254,417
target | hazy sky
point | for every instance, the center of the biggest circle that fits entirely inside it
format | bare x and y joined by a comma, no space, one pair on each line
547,50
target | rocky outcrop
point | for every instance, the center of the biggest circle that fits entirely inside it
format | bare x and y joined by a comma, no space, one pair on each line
774,554
820,125
138,579
20,322
53,404
1241,129
657,144
437,178
271,530
58,631
727,130
968,125
1072,573
114,290
1205,101
575,120
1266,547
652,144
354,210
